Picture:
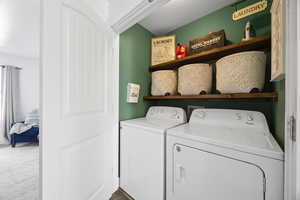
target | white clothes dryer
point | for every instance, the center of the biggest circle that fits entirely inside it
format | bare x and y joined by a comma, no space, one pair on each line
224,154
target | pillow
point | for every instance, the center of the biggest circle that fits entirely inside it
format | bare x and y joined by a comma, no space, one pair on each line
33,118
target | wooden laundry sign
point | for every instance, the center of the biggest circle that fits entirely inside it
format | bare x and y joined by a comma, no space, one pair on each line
250,10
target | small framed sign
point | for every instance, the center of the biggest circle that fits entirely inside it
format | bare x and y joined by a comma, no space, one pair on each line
133,93
163,49
250,10
207,42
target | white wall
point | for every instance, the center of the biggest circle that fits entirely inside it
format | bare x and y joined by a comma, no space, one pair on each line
20,27
29,81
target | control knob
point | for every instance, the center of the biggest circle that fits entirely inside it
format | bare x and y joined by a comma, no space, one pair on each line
250,118
238,116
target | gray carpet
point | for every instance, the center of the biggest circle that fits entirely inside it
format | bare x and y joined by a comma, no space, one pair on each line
19,172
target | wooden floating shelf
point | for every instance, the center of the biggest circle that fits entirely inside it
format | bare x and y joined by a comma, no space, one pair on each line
239,96
259,43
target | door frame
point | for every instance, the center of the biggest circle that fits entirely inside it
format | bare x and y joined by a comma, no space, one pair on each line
116,97
292,107
138,13
297,192
292,29
292,88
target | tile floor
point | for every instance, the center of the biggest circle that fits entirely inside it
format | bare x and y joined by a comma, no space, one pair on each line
119,195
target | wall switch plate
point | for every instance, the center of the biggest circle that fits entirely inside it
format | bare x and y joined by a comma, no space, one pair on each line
133,93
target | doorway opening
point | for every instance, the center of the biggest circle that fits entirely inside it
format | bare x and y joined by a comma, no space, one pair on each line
19,97
137,63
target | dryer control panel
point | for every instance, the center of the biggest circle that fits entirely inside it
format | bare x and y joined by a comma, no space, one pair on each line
166,113
230,118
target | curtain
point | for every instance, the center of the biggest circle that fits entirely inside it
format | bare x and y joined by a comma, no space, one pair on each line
9,96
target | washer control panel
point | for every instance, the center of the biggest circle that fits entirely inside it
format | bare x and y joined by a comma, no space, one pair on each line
229,118
166,113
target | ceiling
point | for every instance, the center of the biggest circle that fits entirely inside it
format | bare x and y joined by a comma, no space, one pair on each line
20,20
19,27
177,13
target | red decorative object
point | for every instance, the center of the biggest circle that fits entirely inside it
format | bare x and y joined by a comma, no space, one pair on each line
181,51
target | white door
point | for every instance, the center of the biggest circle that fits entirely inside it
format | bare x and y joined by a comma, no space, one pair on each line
79,103
198,173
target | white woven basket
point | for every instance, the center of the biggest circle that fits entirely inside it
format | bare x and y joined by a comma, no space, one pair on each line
164,83
241,72
194,79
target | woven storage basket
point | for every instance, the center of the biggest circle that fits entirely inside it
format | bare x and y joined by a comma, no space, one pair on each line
242,72
194,79
164,83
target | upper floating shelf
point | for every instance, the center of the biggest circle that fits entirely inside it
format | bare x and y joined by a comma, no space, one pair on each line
259,43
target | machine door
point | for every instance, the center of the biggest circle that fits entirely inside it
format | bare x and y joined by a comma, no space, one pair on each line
199,174
142,164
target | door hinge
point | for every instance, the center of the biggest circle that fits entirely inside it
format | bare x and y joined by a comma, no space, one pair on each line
292,128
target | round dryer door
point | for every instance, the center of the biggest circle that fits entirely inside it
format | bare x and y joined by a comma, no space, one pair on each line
199,174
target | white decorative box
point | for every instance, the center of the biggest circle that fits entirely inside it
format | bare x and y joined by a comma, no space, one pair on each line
241,72
195,79
164,83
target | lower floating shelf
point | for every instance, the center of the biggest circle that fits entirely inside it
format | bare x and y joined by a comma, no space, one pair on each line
266,96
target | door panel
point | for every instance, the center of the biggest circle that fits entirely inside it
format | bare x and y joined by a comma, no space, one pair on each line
78,123
82,181
82,50
210,176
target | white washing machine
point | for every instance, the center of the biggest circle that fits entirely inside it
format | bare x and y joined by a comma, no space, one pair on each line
142,158
224,154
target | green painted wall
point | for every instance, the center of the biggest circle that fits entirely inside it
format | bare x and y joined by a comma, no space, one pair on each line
135,59
279,113
135,52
